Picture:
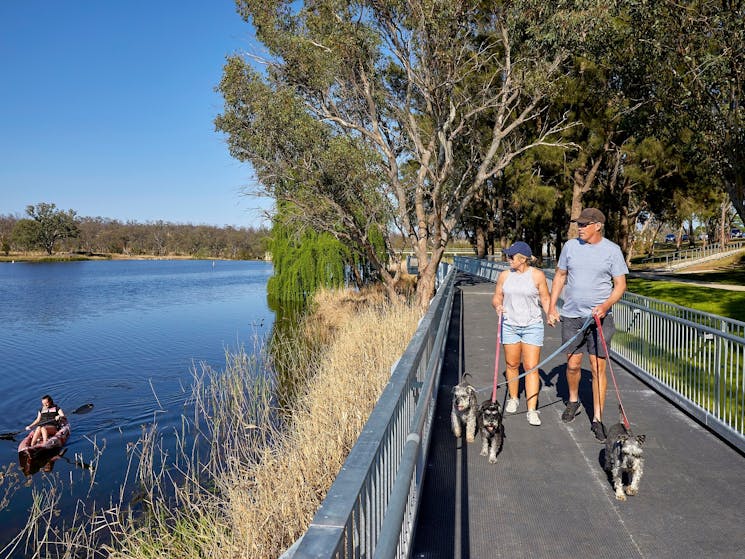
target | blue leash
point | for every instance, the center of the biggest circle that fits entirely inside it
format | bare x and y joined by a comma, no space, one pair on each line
561,348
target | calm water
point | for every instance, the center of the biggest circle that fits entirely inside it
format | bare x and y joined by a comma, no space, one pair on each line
123,336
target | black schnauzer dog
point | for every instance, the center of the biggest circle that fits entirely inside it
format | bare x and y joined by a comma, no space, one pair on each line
491,429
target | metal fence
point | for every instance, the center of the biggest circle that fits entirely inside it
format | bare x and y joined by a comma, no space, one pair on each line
695,359
370,509
682,258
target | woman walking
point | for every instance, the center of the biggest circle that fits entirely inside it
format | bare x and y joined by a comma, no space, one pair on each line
520,294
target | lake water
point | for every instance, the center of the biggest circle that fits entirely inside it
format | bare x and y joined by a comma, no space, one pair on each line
122,335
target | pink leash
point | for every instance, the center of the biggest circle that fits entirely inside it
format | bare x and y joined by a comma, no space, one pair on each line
610,368
496,359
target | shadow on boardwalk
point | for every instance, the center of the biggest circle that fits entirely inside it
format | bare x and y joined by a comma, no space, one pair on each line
547,495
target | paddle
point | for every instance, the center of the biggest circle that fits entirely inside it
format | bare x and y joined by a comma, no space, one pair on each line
11,436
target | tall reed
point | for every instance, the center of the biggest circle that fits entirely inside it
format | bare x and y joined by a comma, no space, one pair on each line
248,476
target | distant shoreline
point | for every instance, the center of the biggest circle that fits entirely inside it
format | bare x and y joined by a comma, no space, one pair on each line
83,257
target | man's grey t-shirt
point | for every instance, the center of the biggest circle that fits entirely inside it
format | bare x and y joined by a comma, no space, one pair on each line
590,272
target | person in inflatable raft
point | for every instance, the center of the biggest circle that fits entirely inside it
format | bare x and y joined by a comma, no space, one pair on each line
46,421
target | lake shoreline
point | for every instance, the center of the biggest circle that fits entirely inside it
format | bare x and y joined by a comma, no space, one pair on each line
93,257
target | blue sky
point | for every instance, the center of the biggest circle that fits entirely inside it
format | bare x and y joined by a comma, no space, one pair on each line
107,108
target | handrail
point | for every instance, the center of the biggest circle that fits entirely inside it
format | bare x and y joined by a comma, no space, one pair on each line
696,359
683,257
363,506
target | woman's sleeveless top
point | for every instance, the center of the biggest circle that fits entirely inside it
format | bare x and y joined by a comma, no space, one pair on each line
521,300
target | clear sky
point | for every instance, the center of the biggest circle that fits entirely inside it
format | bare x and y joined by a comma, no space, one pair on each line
107,108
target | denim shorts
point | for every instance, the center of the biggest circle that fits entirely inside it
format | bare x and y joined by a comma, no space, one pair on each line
531,334
589,340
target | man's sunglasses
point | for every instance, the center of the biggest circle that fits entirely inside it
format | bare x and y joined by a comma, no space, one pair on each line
581,224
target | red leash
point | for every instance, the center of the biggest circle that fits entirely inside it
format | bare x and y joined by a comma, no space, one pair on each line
496,360
599,326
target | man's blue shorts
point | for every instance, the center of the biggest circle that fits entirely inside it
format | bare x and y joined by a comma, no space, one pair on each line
531,334
589,341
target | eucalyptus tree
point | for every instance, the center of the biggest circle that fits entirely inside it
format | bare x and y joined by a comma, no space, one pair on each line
361,106
700,46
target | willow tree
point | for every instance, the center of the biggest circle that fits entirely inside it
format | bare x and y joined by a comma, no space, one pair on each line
398,86
303,262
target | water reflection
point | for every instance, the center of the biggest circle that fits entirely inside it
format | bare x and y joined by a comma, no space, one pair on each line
125,337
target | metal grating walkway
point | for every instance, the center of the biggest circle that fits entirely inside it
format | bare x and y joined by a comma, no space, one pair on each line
547,495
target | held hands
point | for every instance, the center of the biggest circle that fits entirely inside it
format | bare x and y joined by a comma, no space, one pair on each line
552,317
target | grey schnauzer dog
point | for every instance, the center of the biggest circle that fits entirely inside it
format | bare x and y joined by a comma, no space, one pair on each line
491,429
624,455
463,412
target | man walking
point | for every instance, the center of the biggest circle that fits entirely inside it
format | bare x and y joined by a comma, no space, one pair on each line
592,273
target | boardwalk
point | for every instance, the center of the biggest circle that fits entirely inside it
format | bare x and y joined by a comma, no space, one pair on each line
547,495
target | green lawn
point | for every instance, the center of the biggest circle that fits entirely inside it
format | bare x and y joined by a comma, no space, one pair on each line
716,301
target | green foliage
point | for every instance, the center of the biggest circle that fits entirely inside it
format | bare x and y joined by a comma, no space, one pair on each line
304,261
25,234
52,225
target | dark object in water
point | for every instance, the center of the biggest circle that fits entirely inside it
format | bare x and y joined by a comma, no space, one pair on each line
85,408
9,436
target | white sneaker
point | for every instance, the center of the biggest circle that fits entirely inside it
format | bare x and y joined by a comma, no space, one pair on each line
533,418
512,405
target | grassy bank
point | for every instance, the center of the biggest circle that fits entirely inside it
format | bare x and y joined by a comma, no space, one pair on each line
82,257
716,301
249,476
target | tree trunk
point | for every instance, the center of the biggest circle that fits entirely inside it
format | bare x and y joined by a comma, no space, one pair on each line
582,182
481,241
723,224
425,287
736,189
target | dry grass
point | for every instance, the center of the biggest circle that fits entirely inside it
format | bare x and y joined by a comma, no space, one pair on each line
339,398
251,480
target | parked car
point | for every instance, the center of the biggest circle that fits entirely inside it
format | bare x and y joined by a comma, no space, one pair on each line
670,238
735,234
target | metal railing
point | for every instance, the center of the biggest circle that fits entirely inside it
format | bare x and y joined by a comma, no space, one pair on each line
684,257
370,509
695,359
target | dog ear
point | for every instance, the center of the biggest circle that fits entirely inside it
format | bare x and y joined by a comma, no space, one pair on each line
471,390
641,438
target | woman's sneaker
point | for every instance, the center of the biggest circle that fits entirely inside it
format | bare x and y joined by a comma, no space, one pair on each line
533,418
512,405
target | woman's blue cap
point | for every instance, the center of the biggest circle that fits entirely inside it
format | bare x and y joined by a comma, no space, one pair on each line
520,247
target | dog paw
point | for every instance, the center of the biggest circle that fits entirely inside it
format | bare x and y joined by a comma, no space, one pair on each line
620,497
483,452
631,491
456,434
492,459
470,438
